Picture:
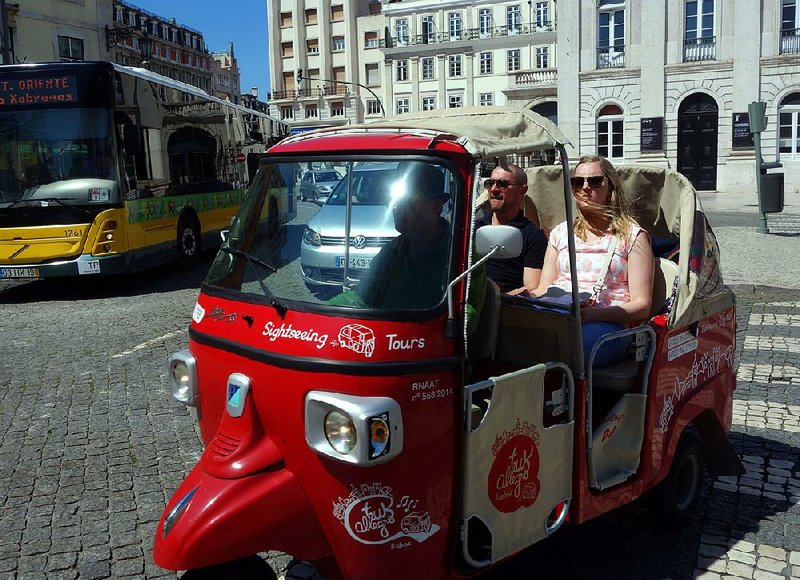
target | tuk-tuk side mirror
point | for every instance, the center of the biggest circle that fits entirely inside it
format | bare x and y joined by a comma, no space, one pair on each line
502,242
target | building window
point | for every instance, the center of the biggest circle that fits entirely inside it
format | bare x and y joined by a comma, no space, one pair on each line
790,27
401,106
428,29
373,107
428,68
699,41
287,49
371,74
485,22
312,112
455,101
287,113
611,34
609,133
338,43
486,99
312,46
337,13
311,15
542,57
454,20
69,48
513,19
371,40
337,109
401,31
485,63
455,65
541,16
513,60
428,103
402,70
789,127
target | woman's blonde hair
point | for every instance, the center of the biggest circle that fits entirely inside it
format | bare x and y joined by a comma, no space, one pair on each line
618,209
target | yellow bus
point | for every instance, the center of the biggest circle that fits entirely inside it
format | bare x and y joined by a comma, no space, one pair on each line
107,169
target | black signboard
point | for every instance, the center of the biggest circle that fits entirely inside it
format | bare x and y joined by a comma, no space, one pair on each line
15,91
742,137
652,134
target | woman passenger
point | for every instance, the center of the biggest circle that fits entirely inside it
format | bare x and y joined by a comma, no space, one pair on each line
627,283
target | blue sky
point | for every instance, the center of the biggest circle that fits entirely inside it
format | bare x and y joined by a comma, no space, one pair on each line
243,22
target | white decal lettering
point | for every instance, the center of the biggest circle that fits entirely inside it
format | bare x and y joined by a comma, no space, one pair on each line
291,333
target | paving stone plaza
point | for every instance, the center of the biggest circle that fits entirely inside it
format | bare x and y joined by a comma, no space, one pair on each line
92,445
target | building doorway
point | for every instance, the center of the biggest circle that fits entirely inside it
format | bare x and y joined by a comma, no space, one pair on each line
698,128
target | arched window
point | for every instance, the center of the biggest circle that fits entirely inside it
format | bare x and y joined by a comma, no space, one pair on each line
609,133
789,127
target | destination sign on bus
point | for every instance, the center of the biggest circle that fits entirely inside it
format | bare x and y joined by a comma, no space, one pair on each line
38,90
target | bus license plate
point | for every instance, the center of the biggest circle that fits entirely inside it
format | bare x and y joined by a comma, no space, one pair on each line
19,272
355,262
89,267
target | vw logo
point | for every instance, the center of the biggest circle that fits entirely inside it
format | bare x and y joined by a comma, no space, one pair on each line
359,242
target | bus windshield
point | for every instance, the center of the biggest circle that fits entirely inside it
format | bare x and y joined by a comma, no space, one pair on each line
39,147
382,241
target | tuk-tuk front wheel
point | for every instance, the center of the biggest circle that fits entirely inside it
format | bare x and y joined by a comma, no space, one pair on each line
673,501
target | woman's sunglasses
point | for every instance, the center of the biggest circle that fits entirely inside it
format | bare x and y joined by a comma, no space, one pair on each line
594,181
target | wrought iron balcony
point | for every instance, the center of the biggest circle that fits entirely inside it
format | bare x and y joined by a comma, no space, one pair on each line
696,49
790,41
468,34
319,91
611,56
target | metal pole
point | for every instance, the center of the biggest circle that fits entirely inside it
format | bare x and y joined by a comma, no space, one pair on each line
6,52
380,104
762,217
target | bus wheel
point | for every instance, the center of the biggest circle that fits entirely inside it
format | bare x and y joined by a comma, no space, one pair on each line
188,239
673,501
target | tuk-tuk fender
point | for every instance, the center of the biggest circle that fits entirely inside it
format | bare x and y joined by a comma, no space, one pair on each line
227,519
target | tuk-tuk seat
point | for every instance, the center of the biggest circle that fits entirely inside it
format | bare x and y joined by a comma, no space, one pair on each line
622,376
488,323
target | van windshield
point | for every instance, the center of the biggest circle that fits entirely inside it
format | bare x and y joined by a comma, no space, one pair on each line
382,241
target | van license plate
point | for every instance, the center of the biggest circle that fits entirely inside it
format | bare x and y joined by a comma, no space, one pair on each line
19,272
355,262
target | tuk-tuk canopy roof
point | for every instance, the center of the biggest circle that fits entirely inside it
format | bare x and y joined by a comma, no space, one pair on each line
483,131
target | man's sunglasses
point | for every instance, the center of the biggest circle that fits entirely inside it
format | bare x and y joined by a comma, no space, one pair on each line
501,183
594,181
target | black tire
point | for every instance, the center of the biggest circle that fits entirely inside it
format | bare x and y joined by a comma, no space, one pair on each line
188,239
248,568
673,501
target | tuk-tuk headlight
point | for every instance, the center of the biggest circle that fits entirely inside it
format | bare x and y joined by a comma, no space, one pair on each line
358,430
183,377
340,431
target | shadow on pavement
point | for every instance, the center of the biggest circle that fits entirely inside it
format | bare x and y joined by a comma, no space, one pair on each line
627,544
165,278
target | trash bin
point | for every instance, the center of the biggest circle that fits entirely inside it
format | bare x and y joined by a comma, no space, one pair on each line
771,189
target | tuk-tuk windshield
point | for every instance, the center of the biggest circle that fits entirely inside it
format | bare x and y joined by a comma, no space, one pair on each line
382,240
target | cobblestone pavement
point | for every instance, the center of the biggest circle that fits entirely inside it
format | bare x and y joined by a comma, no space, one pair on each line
91,445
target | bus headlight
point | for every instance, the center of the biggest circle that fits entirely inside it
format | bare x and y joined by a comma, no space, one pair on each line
358,430
183,377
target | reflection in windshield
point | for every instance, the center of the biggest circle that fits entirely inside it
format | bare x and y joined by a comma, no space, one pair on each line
38,147
395,254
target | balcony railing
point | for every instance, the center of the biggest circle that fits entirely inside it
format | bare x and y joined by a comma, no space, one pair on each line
790,41
611,56
533,78
695,49
320,91
468,34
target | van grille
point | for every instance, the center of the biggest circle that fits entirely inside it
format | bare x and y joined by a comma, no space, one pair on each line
372,241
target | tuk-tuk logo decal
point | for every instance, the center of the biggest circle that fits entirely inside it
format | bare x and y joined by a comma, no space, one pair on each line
371,516
358,338
220,315
703,369
289,332
680,344
513,478
199,313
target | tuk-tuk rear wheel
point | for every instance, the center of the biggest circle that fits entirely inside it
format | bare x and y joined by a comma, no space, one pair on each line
248,568
673,501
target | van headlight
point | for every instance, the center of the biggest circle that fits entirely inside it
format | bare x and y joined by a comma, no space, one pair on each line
311,237
183,377
359,430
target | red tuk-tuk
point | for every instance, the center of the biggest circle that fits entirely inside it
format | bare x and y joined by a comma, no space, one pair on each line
357,413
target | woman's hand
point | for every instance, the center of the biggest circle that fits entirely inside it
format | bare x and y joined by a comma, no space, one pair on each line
519,292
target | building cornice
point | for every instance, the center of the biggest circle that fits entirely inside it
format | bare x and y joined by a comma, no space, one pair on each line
621,73
694,67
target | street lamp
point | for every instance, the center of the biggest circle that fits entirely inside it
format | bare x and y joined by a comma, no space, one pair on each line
115,35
